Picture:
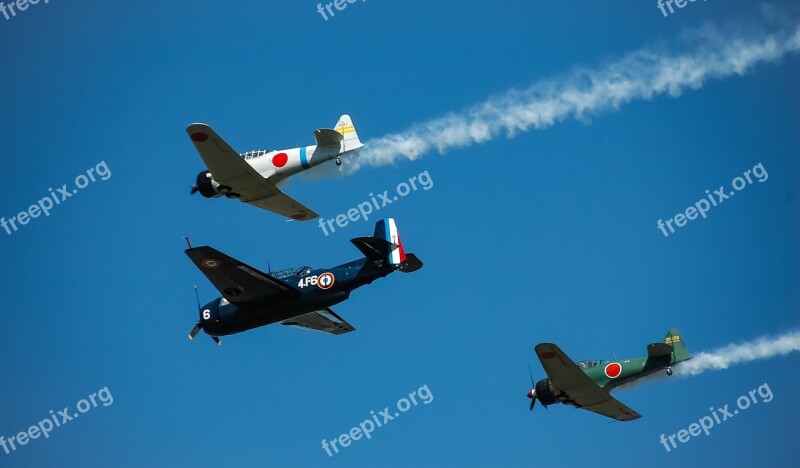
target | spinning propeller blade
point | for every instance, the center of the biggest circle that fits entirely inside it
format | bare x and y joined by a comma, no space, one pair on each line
195,331
198,326
532,393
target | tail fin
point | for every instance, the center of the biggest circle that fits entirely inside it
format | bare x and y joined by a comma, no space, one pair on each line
345,127
386,229
385,245
679,351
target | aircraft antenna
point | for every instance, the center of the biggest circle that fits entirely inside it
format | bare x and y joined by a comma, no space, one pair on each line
197,297
189,243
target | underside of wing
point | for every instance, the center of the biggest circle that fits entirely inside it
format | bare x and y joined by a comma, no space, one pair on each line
285,205
612,408
573,386
238,282
324,320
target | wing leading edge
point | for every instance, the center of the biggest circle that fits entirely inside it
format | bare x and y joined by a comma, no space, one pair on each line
238,282
567,378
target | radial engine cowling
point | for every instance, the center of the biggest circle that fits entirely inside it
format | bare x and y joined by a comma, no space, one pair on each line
543,393
207,186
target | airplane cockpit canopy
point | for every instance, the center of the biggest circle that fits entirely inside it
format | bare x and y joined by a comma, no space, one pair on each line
255,154
591,363
287,273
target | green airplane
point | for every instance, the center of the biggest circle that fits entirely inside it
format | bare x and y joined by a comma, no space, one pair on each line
587,384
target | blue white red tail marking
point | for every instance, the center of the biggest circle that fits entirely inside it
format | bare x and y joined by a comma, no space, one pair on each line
387,229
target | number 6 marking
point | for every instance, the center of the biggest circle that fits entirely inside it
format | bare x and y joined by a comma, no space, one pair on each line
206,314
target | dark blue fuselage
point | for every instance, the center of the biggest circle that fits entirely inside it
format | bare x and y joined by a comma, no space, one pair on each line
318,289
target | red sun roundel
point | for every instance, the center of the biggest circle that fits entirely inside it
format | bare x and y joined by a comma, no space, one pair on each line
613,370
280,159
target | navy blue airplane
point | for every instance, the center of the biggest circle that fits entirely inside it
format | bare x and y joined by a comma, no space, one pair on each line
301,297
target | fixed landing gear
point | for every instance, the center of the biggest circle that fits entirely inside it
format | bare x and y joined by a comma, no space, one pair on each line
669,371
338,161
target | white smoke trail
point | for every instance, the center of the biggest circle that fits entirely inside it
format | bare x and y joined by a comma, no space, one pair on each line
714,53
741,353
764,347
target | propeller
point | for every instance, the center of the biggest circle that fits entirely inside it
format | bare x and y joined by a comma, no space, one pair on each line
195,331
194,190
198,326
532,393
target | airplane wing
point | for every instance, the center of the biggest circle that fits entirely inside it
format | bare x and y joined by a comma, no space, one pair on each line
238,282
230,169
324,320
568,378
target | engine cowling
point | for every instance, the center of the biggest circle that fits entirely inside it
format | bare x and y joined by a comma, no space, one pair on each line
207,186
543,393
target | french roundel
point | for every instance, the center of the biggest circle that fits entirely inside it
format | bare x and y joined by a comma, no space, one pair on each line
613,370
325,280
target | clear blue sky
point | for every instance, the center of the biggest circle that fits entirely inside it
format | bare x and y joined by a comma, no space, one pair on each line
547,236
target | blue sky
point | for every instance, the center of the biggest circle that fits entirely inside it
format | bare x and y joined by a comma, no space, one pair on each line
547,236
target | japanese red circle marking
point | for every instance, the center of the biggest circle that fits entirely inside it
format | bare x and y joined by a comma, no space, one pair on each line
211,263
280,159
613,370
325,280
548,355
199,137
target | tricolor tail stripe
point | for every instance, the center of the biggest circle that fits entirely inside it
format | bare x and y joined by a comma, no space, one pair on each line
387,229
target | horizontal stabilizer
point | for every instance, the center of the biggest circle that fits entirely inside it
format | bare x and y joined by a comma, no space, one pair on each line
411,264
656,350
373,248
328,137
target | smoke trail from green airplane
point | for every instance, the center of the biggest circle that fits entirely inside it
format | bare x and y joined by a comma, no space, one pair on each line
765,347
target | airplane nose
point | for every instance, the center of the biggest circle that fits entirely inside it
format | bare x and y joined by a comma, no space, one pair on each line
531,395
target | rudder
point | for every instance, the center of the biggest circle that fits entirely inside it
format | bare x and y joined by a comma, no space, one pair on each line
348,130
386,229
679,351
